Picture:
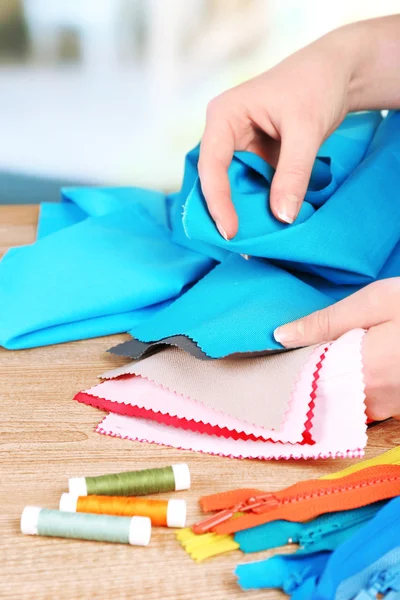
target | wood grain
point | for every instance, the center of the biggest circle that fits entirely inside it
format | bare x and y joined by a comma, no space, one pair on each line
46,438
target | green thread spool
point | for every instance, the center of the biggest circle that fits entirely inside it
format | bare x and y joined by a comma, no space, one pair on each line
133,483
81,526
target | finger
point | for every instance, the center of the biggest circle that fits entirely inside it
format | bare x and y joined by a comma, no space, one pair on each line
374,304
216,152
299,147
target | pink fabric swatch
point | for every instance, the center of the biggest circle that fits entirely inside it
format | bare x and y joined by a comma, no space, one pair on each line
224,385
145,394
339,423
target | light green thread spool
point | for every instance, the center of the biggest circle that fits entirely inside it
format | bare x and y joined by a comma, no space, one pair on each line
133,483
81,526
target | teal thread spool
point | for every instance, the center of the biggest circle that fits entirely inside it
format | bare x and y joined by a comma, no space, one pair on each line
133,483
81,526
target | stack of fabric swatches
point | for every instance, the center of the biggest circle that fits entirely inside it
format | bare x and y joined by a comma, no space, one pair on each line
111,508
346,527
111,260
289,405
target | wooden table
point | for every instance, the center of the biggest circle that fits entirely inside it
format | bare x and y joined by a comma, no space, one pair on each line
46,438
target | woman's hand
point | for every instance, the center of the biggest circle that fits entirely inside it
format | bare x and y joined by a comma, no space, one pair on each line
286,113
376,308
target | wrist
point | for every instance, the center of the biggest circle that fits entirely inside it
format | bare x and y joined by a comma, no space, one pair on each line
350,49
369,53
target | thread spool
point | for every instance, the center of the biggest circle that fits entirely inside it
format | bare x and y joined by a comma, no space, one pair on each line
133,483
81,526
162,513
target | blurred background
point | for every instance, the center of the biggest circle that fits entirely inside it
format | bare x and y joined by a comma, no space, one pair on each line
115,91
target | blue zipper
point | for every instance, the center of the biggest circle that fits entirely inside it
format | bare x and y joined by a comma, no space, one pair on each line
285,571
311,535
372,542
357,566
386,582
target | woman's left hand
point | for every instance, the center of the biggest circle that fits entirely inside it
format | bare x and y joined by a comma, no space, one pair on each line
375,308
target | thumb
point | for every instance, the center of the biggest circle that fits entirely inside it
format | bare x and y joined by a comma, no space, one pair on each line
299,147
373,305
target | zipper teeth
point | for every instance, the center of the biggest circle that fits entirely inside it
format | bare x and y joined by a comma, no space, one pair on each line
339,490
331,527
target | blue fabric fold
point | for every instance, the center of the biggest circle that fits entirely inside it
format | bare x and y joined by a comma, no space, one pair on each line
110,260
100,275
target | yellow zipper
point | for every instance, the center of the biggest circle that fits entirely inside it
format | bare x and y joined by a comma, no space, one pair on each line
201,547
391,457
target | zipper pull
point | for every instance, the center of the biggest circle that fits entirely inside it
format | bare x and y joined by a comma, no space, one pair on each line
220,517
254,504
260,503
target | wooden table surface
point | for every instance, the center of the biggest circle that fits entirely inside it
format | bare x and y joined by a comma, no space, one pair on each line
46,438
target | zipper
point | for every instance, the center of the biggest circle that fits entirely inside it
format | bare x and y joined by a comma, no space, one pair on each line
391,457
300,502
201,547
366,564
386,582
374,542
322,533
334,522
281,571
329,542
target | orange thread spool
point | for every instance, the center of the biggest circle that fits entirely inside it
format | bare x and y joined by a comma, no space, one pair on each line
162,513
124,506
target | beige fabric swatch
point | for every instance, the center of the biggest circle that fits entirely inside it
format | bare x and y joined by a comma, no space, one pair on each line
255,390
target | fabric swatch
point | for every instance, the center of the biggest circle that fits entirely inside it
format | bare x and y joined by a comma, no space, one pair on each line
227,385
135,396
136,349
340,378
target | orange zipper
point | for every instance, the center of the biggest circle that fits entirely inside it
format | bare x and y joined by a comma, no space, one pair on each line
300,502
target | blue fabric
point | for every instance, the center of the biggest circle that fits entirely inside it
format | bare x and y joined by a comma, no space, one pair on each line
323,533
114,260
322,257
110,271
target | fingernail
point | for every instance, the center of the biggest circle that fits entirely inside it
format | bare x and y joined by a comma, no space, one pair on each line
221,230
284,217
290,335
289,208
